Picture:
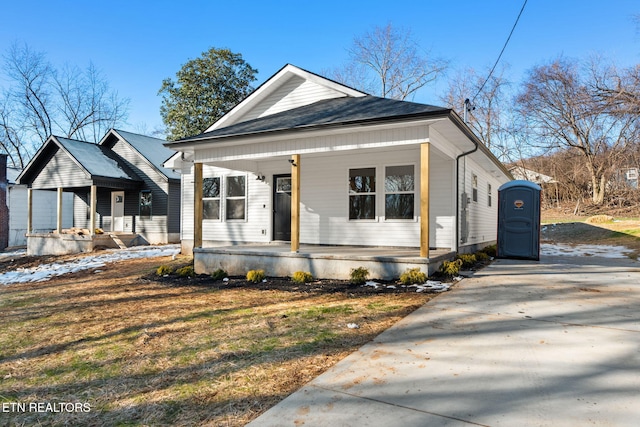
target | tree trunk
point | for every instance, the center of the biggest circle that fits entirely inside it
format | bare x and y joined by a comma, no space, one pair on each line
598,189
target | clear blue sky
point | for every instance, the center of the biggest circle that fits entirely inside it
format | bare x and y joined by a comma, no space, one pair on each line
136,44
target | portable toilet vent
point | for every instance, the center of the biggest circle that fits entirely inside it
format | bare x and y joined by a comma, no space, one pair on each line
519,220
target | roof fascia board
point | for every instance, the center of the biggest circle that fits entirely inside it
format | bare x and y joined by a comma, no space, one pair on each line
272,84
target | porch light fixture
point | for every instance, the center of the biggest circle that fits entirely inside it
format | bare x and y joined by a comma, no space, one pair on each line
293,163
260,177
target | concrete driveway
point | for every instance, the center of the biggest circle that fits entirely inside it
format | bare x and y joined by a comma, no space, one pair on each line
523,343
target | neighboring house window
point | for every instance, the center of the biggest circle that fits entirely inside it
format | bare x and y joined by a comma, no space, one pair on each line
211,198
145,204
362,193
474,182
489,195
399,187
236,197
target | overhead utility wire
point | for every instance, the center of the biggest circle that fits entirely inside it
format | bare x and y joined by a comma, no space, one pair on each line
501,52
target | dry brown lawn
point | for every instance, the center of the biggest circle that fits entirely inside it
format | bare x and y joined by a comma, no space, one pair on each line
618,232
135,351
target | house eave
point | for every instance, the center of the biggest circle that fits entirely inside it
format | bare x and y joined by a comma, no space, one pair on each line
291,133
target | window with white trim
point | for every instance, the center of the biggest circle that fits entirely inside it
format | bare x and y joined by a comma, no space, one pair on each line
236,197
362,193
399,189
211,198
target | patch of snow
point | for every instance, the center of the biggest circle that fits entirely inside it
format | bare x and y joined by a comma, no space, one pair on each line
13,254
432,286
584,250
373,284
353,326
47,271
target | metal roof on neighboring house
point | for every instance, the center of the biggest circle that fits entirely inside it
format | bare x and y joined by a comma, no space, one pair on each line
94,159
153,149
336,111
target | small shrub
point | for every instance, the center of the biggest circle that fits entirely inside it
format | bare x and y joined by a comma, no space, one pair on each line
359,276
451,268
255,276
301,277
599,219
413,276
482,256
491,250
468,260
186,271
164,270
219,274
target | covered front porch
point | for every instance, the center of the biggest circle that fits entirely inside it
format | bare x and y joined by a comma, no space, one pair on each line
322,261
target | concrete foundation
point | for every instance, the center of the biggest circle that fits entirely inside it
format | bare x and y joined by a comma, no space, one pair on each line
326,262
65,244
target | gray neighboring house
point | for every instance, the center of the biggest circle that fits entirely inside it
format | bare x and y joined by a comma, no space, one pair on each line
44,210
119,185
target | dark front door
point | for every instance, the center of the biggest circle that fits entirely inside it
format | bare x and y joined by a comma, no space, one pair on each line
282,207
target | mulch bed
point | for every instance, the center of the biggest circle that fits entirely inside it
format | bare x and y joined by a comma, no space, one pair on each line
285,284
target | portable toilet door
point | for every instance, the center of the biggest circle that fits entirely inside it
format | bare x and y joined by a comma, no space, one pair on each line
519,220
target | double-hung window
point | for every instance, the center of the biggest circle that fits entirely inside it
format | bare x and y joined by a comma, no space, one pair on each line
211,198
236,197
362,193
399,188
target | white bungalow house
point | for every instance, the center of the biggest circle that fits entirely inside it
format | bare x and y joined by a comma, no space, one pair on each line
309,174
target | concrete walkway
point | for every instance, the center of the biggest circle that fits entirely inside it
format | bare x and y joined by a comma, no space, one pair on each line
523,343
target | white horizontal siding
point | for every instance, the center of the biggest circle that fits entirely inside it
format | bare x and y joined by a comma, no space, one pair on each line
44,214
379,138
296,92
324,200
482,218
442,200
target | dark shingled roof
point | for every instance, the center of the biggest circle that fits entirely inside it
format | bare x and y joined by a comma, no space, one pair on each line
334,111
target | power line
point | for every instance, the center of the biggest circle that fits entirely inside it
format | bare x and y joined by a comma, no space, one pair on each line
501,52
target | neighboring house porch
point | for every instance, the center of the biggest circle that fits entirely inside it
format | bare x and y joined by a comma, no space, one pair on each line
121,193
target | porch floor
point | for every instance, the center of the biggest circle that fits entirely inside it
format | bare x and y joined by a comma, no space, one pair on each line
330,262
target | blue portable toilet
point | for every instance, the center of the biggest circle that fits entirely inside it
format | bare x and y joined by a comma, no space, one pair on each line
519,220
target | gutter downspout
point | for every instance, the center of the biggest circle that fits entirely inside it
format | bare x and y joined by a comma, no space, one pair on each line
466,153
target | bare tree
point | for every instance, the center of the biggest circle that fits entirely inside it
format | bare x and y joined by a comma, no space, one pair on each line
578,108
488,111
41,101
389,63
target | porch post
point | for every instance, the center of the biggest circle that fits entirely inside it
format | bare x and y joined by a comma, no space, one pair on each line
197,205
424,200
295,203
29,210
59,220
92,210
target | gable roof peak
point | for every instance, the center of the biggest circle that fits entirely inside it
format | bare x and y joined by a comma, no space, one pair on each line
273,83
